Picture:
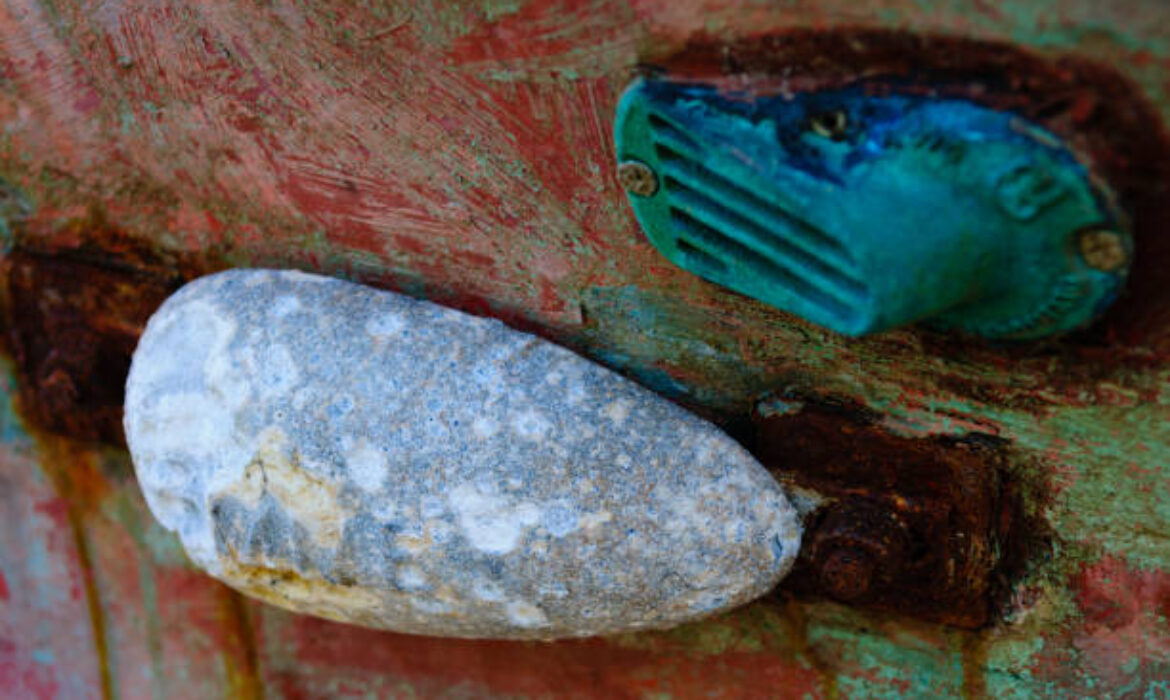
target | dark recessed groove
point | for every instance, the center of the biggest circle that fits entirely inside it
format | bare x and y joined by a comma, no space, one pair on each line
720,218
701,259
720,246
696,176
665,129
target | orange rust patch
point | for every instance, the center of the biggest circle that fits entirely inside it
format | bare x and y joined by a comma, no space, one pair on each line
953,497
75,310
81,488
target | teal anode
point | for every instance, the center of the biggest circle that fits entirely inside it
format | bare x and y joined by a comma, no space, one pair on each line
861,213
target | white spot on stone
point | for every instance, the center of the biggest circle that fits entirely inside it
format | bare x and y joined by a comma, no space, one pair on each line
706,601
524,614
302,399
411,578
554,589
531,425
492,524
617,411
193,338
367,467
483,427
299,277
386,325
285,306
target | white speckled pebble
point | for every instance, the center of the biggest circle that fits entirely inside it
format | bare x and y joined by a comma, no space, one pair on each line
370,458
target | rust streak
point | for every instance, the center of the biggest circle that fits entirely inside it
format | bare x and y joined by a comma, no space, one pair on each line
973,648
73,315
244,674
60,457
797,621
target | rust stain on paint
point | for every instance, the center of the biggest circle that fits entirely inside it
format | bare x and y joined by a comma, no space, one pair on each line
922,526
241,658
75,308
973,648
79,487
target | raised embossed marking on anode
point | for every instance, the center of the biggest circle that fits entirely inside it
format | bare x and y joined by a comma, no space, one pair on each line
374,459
862,212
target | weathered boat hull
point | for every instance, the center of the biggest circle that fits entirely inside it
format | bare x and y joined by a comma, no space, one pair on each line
463,153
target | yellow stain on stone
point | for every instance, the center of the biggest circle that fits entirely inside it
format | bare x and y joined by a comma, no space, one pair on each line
309,500
284,587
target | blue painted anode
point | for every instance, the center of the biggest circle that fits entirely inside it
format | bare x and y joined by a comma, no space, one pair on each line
861,213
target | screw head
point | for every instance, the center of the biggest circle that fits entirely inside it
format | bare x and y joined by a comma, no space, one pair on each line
637,178
832,125
1102,249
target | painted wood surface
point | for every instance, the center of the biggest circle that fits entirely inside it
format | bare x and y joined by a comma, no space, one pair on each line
462,152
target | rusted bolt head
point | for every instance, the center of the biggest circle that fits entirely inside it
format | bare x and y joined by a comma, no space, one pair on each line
1102,249
847,574
857,547
637,178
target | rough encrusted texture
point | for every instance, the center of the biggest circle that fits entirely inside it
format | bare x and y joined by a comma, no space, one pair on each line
371,458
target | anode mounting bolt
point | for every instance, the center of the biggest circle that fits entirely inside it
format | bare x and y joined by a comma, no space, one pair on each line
1102,249
637,178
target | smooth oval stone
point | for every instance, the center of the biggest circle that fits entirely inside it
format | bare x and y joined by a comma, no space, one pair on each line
374,459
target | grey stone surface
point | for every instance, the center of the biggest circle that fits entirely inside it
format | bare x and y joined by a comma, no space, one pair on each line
374,459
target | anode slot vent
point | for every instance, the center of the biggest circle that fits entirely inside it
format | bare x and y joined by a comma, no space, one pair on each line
721,227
